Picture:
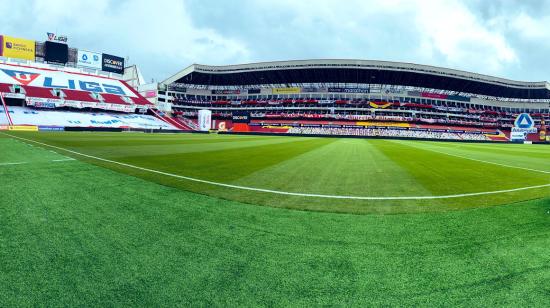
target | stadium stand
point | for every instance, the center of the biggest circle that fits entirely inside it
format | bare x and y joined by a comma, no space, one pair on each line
50,97
388,132
446,103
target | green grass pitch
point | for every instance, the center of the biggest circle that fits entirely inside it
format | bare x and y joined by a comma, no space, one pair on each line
77,230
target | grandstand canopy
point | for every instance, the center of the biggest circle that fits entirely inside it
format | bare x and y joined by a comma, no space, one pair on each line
359,72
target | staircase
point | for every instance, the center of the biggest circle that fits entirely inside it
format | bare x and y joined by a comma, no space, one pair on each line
189,123
166,118
10,122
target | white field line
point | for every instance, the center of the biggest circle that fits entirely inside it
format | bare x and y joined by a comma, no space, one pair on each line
278,192
474,159
64,159
25,162
10,164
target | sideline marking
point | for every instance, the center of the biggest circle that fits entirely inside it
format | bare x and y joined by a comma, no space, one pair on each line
469,158
26,162
63,159
285,192
9,164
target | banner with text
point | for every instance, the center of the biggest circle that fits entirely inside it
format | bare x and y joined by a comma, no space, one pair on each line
112,64
13,47
89,59
294,90
35,77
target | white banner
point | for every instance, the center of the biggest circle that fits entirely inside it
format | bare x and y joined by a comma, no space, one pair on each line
89,59
14,95
521,136
39,102
205,120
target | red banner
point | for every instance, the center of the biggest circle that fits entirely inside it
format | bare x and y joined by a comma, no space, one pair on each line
434,95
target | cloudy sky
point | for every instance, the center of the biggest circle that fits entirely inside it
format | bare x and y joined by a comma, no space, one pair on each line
505,38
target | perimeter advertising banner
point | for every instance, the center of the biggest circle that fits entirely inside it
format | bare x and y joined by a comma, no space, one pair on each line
13,47
89,59
25,128
113,64
35,77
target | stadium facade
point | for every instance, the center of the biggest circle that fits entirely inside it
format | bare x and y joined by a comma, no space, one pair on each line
356,97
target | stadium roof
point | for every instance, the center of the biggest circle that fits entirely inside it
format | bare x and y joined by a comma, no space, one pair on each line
359,71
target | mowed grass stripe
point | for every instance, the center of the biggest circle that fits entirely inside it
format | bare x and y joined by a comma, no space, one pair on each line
227,164
343,167
445,174
109,147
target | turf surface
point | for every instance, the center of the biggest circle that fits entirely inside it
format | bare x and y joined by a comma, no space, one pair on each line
73,233
329,166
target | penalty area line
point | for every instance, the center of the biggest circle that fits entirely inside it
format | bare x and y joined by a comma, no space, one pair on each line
279,192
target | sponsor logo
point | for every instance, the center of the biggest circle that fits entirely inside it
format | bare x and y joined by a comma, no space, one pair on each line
112,64
524,120
22,77
85,86
58,38
347,90
25,78
240,117
524,124
89,59
13,47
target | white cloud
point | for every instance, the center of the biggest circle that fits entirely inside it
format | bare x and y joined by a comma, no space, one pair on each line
444,33
154,34
166,35
452,30
531,28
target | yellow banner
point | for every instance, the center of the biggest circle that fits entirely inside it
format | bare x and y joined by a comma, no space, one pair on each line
25,128
294,90
385,124
13,47
375,105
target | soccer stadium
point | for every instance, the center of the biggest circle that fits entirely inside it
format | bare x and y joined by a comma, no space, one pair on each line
286,183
